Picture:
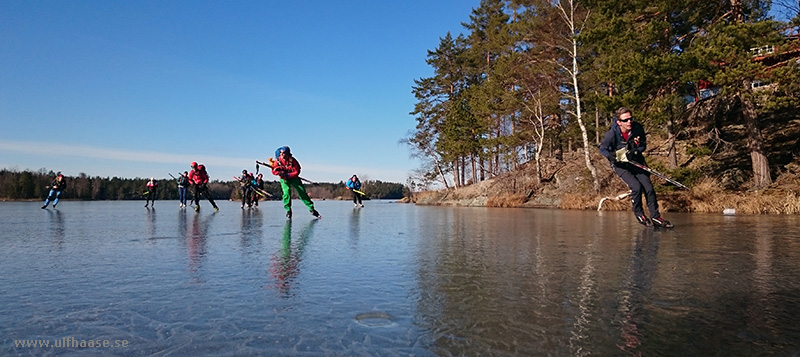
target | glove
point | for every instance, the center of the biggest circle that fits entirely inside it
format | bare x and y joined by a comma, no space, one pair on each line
635,155
621,155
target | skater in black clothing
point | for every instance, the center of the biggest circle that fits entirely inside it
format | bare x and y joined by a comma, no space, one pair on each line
625,142
58,185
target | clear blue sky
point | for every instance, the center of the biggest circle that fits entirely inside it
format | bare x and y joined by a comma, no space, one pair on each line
142,88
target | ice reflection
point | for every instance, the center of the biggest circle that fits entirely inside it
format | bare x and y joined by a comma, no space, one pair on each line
285,263
251,229
397,280
586,301
196,246
761,318
355,226
151,223
57,227
632,296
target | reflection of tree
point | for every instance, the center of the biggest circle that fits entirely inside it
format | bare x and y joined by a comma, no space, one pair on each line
761,320
587,291
196,245
286,261
636,290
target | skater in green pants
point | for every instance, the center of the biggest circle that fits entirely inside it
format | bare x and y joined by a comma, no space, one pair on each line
288,169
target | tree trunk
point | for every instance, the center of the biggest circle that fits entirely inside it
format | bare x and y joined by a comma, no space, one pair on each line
483,169
596,125
463,161
455,174
761,175
473,167
558,151
569,17
671,155
440,171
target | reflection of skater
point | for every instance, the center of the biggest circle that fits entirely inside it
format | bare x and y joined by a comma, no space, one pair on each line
196,247
152,186
633,295
199,179
57,226
354,184
58,185
285,264
288,169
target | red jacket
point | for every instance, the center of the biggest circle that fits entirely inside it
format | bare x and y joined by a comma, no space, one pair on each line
198,176
286,169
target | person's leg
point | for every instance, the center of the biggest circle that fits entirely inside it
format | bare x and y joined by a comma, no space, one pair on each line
58,195
649,193
301,192
207,192
47,200
287,196
636,189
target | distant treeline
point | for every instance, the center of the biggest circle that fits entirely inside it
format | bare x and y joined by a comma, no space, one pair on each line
27,185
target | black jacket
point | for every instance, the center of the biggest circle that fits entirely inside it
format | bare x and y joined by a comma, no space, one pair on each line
59,185
612,141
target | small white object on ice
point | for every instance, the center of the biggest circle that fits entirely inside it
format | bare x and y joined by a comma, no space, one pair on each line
729,212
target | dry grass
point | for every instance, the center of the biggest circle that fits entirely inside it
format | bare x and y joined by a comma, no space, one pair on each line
506,200
578,201
705,196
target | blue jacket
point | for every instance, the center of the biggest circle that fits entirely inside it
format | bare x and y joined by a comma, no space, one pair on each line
354,185
613,141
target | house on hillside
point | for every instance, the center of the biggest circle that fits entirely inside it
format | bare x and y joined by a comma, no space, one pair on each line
765,55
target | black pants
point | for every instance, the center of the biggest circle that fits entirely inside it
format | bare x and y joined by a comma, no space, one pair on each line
198,189
151,196
356,197
246,195
639,182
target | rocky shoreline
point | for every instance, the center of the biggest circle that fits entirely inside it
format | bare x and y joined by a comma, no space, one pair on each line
570,188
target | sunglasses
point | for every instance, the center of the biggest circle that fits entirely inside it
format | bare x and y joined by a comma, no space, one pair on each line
624,120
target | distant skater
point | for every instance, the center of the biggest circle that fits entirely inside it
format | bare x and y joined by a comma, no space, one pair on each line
258,182
624,142
152,186
199,180
287,168
354,184
183,186
58,185
246,183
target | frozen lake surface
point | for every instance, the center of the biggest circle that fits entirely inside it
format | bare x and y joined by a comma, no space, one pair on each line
392,279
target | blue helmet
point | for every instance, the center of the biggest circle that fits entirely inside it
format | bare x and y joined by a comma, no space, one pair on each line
282,148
